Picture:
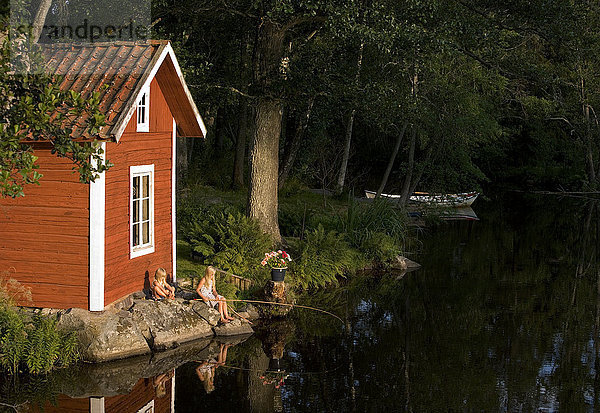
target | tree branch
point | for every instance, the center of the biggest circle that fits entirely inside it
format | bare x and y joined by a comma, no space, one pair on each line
229,88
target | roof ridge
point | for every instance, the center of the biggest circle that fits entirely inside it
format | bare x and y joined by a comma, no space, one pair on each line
147,42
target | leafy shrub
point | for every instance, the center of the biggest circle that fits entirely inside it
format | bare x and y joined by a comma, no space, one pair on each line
229,241
47,347
322,257
362,221
37,345
13,339
32,343
380,248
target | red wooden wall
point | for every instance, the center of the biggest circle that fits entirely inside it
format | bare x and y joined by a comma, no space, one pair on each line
44,235
122,274
141,394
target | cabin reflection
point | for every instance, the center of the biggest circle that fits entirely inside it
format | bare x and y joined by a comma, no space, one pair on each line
149,395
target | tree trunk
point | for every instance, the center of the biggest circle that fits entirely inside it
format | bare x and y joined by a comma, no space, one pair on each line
40,18
182,160
349,126
240,147
427,161
220,130
264,164
264,153
386,175
295,144
411,166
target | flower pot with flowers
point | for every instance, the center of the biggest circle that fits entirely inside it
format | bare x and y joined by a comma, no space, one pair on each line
277,262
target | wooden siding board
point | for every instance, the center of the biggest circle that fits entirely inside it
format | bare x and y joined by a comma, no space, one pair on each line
44,235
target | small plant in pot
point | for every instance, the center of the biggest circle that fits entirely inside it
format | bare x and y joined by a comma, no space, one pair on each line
277,262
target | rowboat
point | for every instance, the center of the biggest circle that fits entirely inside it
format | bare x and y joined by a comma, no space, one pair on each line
452,200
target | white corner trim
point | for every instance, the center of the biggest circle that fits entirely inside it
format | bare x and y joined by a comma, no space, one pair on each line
97,405
96,242
173,391
173,201
147,249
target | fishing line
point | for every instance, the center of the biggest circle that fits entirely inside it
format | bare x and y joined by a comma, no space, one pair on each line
282,304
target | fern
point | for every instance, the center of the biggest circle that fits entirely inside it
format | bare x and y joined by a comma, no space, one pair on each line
13,339
324,256
228,240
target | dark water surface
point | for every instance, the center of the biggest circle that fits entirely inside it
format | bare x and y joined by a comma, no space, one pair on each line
504,316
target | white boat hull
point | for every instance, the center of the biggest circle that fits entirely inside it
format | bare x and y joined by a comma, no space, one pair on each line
451,200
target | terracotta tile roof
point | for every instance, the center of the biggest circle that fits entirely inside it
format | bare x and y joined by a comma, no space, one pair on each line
117,71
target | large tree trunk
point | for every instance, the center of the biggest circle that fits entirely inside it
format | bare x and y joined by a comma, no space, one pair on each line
264,165
295,144
349,126
411,167
386,175
240,147
264,153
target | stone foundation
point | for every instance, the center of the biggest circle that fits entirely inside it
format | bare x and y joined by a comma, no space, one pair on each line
138,326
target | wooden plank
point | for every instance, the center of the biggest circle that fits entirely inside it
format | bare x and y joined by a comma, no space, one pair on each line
7,210
43,229
54,240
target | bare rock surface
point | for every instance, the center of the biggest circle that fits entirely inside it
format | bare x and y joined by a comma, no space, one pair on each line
233,328
105,335
211,315
168,323
149,326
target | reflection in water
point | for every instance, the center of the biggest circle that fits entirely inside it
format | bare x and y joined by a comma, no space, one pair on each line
503,316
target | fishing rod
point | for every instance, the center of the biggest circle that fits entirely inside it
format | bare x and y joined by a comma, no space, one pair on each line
282,304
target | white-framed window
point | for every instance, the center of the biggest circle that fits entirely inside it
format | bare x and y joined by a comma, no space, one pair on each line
149,408
141,207
143,111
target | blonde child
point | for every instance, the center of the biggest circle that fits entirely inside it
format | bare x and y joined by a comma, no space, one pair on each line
208,292
160,286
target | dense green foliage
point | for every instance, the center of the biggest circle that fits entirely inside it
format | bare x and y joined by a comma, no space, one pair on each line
228,240
323,257
326,242
32,344
494,93
32,106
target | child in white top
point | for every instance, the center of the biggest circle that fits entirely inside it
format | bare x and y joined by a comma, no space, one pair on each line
208,292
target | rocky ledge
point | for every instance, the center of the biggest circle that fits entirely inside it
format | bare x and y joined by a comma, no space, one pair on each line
142,326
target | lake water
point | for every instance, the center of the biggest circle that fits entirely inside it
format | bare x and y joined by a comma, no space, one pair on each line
504,316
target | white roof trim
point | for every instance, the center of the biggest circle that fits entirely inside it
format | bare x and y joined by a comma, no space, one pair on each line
167,50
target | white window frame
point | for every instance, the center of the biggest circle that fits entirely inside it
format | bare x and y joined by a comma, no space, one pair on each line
139,171
143,110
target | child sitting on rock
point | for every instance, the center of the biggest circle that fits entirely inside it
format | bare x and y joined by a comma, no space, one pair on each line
160,287
208,292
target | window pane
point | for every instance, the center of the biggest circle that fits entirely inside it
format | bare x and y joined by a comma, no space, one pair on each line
136,211
136,187
136,235
146,232
146,185
145,210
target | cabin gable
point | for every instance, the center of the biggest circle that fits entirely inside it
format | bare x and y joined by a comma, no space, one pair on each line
124,273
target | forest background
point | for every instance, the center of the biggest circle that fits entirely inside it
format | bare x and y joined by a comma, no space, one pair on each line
347,95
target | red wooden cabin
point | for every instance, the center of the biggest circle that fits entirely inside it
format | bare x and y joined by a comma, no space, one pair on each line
88,245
